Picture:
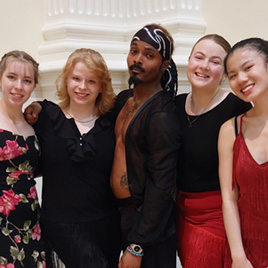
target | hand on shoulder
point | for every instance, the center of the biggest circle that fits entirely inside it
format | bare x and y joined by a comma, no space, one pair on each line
31,112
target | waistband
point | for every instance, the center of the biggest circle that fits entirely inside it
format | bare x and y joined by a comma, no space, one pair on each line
125,202
203,210
197,195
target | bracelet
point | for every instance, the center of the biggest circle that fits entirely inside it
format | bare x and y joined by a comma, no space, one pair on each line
134,253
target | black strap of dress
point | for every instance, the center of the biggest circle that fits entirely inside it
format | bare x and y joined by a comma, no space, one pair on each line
236,125
236,130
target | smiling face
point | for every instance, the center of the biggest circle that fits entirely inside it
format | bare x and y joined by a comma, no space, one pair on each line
17,82
82,86
205,67
247,72
145,63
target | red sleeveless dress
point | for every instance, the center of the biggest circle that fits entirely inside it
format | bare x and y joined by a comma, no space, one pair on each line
252,181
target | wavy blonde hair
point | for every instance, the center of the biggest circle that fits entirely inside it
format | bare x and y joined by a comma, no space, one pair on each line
95,64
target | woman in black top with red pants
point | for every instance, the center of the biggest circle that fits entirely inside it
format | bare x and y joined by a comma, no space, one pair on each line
201,234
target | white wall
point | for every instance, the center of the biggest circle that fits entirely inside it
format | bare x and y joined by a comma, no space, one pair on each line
236,19
21,21
20,25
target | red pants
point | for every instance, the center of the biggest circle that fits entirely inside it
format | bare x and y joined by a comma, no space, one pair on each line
201,234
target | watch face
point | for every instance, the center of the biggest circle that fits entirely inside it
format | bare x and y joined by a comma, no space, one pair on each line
137,248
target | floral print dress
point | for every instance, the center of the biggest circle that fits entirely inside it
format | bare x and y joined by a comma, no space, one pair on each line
20,234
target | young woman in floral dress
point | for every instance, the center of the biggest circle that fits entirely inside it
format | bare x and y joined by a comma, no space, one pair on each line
20,244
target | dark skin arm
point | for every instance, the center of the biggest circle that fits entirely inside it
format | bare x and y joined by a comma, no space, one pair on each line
31,112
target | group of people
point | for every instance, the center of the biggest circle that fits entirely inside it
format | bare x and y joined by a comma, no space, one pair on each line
133,179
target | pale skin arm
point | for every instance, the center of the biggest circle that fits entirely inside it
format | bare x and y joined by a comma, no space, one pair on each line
230,196
31,112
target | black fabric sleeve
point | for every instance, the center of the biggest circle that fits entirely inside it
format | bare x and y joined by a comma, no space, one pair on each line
163,139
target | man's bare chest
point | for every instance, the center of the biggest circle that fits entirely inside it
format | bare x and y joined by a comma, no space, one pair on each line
124,118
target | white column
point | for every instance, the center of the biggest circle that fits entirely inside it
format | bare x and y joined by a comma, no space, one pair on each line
107,26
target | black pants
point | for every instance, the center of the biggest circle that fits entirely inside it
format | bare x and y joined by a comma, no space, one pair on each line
158,255
95,244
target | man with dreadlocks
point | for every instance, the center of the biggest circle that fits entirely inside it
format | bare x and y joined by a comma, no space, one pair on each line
147,144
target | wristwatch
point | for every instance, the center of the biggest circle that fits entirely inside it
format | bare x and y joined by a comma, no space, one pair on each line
136,248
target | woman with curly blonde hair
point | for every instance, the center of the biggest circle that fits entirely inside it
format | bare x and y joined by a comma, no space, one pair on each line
96,64
79,216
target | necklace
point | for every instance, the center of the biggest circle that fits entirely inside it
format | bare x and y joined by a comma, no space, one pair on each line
85,120
191,123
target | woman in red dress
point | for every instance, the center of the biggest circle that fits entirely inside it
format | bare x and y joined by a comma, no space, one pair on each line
243,156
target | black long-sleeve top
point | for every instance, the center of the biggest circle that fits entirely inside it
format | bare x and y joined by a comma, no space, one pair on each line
76,168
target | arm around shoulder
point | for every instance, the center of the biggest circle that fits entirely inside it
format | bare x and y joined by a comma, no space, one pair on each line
31,112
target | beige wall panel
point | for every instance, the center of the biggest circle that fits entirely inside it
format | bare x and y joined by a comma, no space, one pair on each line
236,19
21,22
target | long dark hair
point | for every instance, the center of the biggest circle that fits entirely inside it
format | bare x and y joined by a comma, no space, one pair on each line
260,45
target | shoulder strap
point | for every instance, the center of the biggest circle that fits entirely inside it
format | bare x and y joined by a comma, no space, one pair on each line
236,125
236,130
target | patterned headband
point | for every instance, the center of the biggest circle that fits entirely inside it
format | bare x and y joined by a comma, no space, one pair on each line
156,38
159,40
